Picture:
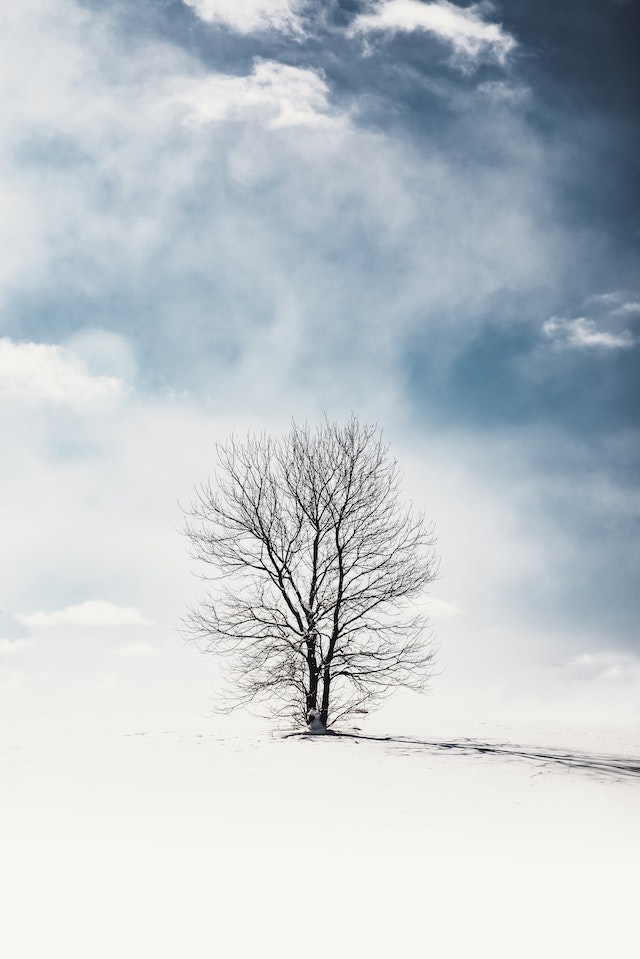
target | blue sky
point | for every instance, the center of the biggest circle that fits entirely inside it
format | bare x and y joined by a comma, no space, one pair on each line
220,215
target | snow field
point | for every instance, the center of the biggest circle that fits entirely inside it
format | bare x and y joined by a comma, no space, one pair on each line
199,842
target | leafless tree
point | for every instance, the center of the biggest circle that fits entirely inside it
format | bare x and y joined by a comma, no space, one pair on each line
313,563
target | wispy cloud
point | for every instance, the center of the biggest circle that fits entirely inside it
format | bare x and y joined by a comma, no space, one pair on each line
41,372
93,612
283,95
251,16
608,666
473,39
500,91
582,333
616,302
630,307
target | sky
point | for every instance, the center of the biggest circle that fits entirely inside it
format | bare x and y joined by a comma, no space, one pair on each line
217,216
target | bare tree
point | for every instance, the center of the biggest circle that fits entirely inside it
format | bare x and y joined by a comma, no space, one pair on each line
313,562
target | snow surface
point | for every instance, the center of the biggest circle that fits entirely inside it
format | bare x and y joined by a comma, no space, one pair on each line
212,838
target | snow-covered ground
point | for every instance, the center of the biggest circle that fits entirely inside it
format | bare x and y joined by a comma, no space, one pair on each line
221,837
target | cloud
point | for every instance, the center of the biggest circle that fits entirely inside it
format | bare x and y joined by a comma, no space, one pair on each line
93,612
500,91
607,666
251,16
45,373
616,302
605,299
286,96
473,39
167,192
631,306
583,333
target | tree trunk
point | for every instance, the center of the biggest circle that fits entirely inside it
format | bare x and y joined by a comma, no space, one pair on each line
314,675
326,689
312,697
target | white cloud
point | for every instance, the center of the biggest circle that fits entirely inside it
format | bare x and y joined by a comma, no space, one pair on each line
286,96
118,173
631,306
251,16
93,612
605,666
500,91
472,38
617,302
581,332
45,373
605,298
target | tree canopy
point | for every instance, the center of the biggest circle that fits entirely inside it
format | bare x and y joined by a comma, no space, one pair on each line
314,567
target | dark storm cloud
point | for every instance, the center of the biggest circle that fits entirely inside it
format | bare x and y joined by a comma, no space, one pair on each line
582,59
577,72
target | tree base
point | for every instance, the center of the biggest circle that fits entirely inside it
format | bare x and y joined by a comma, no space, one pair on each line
315,728
315,725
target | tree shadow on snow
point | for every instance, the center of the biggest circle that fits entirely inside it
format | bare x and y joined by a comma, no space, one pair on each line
612,767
